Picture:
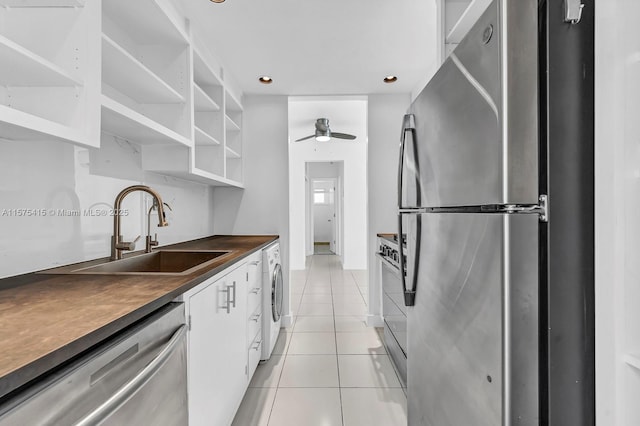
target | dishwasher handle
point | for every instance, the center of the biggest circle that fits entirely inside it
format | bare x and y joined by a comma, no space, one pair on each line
123,394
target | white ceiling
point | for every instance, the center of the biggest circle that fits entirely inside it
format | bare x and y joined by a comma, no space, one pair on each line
321,47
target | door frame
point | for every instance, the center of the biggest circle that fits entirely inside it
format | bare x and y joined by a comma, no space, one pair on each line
336,227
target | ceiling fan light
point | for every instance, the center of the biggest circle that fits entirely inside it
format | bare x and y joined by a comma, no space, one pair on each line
323,138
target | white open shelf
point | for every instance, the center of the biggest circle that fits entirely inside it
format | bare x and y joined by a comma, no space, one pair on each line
124,72
120,120
232,104
203,75
19,125
202,101
42,3
212,179
204,138
50,78
231,125
147,21
230,153
25,68
120,67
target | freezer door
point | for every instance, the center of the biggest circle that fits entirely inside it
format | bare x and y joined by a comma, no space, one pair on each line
473,332
476,123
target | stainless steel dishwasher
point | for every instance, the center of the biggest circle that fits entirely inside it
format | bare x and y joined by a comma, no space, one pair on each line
138,377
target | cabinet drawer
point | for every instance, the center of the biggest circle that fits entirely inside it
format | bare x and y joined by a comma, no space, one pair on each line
254,298
254,324
255,351
254,270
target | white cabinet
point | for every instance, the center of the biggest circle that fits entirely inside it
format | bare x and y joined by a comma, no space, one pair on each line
215,156
50,78
218,349
145,68
254,312
128,70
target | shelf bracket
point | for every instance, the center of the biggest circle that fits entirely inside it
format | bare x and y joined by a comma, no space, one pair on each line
573,11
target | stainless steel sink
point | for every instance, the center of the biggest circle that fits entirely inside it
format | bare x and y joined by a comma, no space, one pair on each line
161,262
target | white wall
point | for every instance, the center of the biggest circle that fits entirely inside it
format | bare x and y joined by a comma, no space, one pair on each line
262,207
617,54
323,170
385,124
347,116
56,176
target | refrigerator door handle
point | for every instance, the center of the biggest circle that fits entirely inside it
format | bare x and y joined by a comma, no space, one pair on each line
409,293
408,125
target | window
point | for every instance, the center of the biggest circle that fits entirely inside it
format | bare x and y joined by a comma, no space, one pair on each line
323,196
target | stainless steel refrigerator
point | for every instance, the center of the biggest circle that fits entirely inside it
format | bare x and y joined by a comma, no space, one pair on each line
471,205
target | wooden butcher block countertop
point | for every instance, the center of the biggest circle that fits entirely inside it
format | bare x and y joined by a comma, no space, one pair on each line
48,319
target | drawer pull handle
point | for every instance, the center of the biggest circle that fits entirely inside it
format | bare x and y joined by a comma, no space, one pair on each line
256,317
257,345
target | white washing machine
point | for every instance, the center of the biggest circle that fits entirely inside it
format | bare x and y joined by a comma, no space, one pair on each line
272,295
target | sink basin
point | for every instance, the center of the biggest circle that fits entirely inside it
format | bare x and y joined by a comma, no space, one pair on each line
161,262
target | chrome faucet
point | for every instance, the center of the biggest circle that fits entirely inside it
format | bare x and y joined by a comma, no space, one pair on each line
152,242
117,245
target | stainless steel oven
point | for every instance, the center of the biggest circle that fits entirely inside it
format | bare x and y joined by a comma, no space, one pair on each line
393,308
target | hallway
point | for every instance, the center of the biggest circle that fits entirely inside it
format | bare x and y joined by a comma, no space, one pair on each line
329,369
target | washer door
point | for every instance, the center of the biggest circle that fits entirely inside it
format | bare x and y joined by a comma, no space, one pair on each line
276,293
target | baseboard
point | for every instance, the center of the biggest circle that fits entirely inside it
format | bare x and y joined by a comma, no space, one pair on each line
374,321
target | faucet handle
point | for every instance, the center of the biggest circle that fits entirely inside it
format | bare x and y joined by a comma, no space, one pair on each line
130,246
151,242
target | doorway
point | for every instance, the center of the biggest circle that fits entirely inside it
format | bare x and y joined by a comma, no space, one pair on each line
349,115
324,216
324,207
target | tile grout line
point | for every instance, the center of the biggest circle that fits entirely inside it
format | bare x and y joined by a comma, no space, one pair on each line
335,336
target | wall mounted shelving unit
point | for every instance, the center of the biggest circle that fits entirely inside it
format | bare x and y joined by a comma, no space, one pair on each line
216,155
95,66
50,78
145,69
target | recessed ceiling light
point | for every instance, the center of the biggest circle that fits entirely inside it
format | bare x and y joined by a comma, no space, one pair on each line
265,79
217,1
390,79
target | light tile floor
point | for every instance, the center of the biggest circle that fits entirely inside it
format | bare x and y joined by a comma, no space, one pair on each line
329,369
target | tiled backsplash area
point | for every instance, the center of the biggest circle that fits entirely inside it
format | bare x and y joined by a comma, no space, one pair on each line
55,202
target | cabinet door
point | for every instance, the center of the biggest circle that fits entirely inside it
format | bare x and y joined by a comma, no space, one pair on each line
254,284
217,350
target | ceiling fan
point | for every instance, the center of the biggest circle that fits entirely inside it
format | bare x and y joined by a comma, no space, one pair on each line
324,133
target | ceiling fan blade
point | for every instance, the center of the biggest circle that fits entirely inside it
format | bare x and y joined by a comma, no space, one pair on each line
305,138
342,135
